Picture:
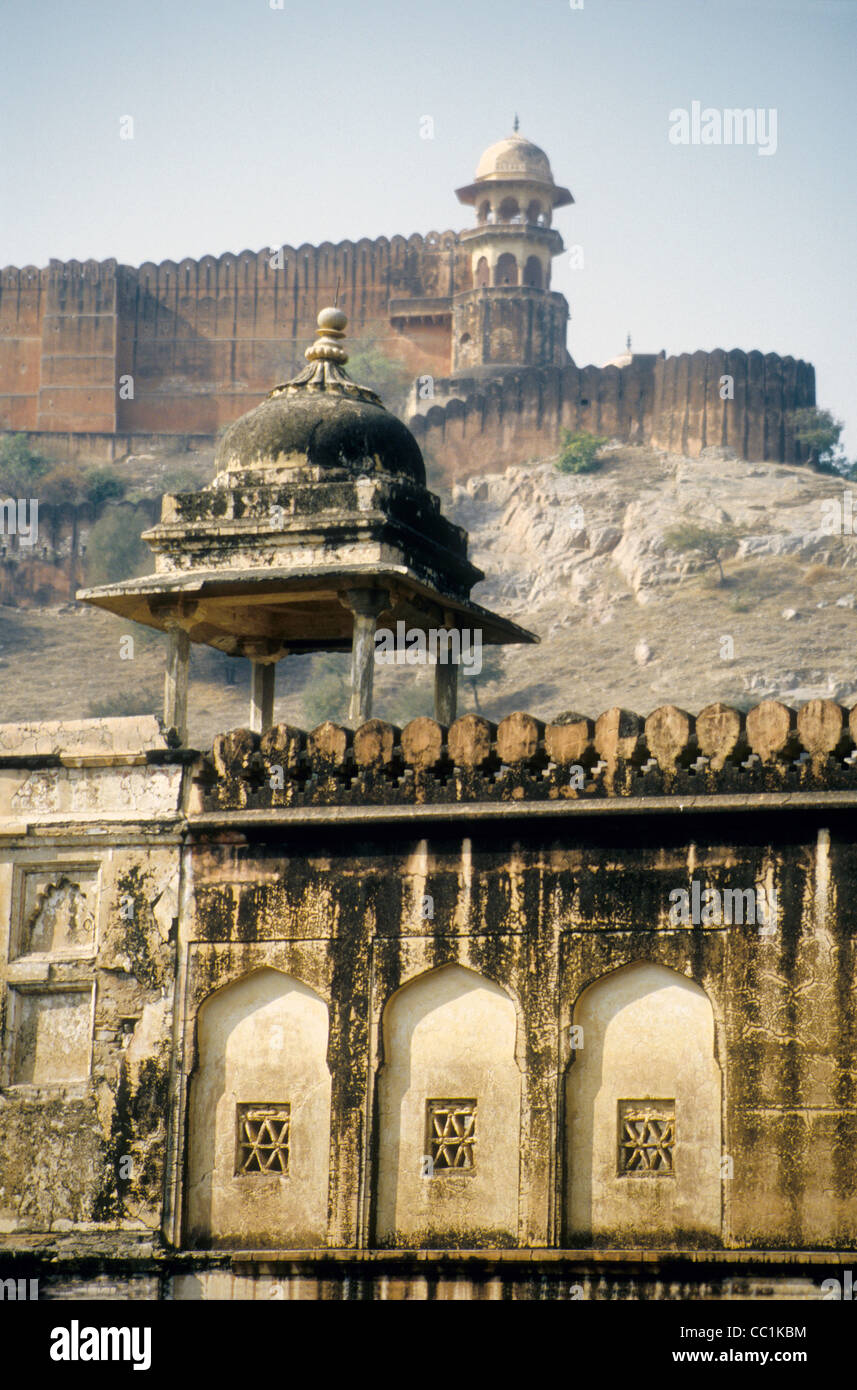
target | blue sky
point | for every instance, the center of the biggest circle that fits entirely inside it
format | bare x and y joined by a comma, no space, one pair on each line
255,125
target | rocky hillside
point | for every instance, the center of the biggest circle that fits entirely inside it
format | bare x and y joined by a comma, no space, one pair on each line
625,619
584,561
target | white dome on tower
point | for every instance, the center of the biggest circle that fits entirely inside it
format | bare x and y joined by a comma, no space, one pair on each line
514,158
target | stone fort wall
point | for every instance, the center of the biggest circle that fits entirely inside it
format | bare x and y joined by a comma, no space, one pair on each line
95,353
673,403
205,340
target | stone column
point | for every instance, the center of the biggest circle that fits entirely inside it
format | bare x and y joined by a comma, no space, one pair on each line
262,680
365,604
175,682
446,693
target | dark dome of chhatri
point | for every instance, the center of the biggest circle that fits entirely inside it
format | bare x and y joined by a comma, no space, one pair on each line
324,418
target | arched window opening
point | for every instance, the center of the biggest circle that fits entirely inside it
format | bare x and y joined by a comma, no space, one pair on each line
533,274
506,271
483,276
509,210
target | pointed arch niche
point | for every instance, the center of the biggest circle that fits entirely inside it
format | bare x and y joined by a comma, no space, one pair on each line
450,1066
259,1140
643,1108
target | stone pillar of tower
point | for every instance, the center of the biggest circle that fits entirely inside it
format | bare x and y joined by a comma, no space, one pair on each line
511,318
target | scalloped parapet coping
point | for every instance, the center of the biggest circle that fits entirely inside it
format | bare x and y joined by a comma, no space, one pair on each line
720,750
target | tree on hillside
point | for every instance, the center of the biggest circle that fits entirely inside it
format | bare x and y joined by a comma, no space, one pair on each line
819,434
580,452
710,541
369,365
492,670
327,691
20,466
115,550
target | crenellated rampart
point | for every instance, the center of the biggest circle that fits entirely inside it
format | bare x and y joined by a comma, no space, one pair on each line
103,351
684,404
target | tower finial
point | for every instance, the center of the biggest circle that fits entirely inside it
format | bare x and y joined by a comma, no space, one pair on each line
516,123
628,342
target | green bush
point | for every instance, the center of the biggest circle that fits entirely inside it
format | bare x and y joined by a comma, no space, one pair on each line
103,485
819,433
20,468
114,549
580,452
368,365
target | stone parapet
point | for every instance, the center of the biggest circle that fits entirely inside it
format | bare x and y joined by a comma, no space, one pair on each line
720,752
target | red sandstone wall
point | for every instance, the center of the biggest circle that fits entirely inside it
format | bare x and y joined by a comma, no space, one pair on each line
77,371
205,340
22,299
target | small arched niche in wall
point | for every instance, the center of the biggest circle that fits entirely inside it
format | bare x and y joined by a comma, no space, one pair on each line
449,1110
259,1140
643,1130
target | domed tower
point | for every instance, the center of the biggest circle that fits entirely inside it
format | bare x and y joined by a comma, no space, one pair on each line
317,525
510,318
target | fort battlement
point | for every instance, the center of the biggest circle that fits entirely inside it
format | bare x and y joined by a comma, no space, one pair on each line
674,403
94,353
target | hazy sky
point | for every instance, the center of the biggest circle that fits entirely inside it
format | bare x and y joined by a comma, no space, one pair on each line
255,125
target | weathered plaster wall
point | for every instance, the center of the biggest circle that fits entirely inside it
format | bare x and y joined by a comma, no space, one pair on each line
89,885
448,1035
542,916
262,1043
360,909
646,1042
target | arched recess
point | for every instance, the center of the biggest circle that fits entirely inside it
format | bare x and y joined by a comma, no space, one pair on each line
483,274
643,1113
506,270
508,210
449,1114
534,211
260,1099
533,273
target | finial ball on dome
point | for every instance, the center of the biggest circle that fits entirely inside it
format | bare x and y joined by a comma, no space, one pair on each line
333,318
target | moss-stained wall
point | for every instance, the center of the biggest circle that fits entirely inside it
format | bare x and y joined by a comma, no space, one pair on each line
128,899
543,911
89,903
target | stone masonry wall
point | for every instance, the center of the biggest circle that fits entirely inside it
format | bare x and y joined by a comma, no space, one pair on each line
672,403
205,340
467,873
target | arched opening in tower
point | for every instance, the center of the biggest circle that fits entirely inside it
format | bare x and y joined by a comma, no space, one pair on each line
506,272
533,273
483,275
